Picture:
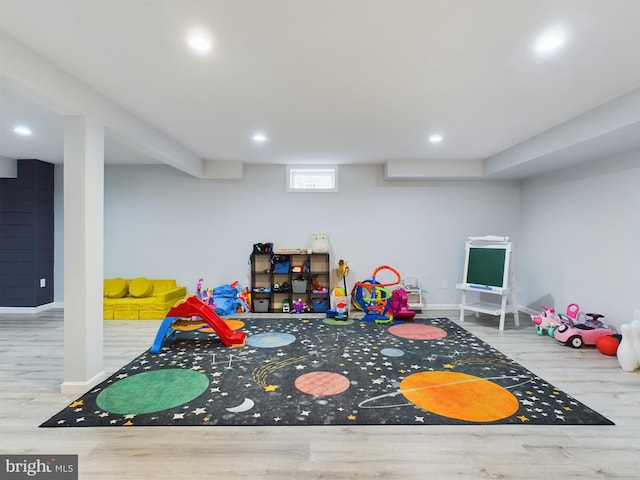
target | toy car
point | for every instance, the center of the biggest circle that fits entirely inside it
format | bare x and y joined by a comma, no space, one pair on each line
578,334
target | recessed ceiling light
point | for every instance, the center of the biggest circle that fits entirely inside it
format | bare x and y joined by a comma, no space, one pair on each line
199,39
435,138
550,40
199,44
22,130
259,138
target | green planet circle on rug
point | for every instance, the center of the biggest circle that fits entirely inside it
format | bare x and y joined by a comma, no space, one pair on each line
335,321
152,391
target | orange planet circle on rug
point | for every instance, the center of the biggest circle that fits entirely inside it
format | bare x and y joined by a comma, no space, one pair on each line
232,324
322,383
460,396
416,331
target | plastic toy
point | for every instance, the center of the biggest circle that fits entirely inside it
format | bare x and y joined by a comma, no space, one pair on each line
206,295
399,308
608,344
377,303
574,312
343,271
577,334
298,306
244,300
229,298
414,292
263,247
317,288
342,310
547,321
193,307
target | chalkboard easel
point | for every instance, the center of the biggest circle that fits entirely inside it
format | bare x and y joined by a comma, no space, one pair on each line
488,269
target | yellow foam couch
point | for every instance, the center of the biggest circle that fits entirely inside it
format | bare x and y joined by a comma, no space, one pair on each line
140,298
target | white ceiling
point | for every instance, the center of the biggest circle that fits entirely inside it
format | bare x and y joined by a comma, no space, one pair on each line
334,81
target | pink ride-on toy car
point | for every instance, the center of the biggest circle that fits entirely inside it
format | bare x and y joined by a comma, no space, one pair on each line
578,334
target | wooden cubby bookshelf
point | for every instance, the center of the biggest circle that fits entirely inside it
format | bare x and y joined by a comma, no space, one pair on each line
272,288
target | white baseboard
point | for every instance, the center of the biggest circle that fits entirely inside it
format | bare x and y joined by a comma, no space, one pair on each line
456,306
529,311
78,388
31,310
442,306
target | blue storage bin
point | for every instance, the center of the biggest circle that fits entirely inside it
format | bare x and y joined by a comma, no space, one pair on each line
281,264
319,305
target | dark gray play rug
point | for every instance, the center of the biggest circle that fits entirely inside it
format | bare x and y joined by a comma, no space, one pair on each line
317,371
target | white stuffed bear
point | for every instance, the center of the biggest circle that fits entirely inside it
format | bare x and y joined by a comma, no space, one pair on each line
320,243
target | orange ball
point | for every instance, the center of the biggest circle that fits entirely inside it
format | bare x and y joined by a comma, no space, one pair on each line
608,345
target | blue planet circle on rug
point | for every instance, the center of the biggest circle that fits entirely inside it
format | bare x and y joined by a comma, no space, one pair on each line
270,340
392,352
152,391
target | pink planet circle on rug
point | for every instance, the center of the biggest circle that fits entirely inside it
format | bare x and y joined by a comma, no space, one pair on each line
414,331
322,383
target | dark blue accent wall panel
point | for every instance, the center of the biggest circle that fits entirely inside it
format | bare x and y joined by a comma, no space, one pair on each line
26,235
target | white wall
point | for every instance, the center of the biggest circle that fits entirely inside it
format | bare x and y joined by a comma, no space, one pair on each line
575,231
580,234
8,167
160,222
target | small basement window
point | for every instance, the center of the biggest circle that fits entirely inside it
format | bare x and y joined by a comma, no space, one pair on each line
312,178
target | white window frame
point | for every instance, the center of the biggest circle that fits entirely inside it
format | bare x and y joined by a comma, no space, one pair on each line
300,171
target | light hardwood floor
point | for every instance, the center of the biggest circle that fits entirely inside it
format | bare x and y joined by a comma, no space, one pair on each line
31,372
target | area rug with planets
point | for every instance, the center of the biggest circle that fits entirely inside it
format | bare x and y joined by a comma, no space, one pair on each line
321,371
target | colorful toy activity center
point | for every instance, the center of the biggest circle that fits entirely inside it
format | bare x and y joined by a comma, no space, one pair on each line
379,303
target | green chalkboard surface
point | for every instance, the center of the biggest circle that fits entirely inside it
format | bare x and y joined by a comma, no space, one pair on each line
486,266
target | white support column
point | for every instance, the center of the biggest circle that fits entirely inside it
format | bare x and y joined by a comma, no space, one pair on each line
83,254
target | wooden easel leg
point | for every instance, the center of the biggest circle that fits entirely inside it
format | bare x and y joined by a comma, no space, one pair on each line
503,310
516,316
